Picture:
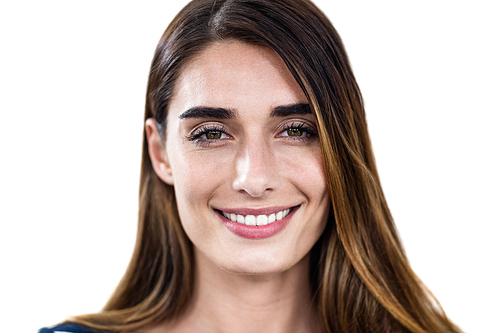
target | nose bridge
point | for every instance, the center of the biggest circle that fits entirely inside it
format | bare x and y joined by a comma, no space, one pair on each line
255,172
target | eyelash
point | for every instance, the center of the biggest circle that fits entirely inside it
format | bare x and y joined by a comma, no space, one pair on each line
196,136
309,133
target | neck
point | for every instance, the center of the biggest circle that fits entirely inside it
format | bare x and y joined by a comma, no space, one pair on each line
227,302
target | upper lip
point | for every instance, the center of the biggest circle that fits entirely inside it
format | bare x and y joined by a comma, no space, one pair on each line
255,211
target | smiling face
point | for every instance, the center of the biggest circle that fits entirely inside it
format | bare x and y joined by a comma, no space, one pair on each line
244,158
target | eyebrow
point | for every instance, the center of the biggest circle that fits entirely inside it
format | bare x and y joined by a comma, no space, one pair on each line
221,113
288,110
207,112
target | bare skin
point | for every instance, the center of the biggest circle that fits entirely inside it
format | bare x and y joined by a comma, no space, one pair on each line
225,302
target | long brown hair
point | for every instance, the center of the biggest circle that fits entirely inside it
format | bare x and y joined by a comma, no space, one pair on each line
359,271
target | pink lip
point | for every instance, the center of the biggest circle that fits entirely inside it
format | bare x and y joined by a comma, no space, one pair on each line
257,232
255,211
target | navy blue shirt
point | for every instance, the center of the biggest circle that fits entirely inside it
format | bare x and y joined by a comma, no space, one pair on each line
69,328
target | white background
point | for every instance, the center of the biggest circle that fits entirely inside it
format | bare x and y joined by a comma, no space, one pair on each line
72,83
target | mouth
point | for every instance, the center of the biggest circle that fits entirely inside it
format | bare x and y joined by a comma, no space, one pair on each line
257,223
257,220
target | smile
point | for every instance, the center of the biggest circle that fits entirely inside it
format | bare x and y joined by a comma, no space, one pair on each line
257,219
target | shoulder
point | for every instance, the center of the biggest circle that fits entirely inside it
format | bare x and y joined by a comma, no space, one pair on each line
68,328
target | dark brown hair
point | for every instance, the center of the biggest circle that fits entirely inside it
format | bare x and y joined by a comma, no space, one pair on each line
359,271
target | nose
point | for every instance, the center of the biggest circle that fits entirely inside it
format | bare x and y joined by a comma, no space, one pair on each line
255,169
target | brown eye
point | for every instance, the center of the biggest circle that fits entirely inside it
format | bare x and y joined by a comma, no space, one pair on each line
213,135
294,131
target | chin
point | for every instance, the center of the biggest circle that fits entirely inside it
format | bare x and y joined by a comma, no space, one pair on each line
253,269
259,265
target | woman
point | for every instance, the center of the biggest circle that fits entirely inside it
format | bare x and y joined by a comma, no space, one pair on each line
260,203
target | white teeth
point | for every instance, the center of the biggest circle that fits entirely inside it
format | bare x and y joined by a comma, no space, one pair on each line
257,220
250,220
261,220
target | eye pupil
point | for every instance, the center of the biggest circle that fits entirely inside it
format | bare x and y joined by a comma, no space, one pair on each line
213,135
294,132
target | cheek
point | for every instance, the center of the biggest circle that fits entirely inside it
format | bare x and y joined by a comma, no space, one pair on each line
196,174
193,185
306,174
197,177
305,170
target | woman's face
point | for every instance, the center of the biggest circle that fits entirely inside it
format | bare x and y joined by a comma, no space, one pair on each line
242,149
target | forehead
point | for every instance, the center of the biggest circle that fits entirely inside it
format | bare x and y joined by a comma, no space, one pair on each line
236,75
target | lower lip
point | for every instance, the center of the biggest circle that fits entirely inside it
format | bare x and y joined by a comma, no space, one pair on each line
260,231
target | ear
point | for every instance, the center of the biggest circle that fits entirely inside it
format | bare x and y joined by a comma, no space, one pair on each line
158,152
